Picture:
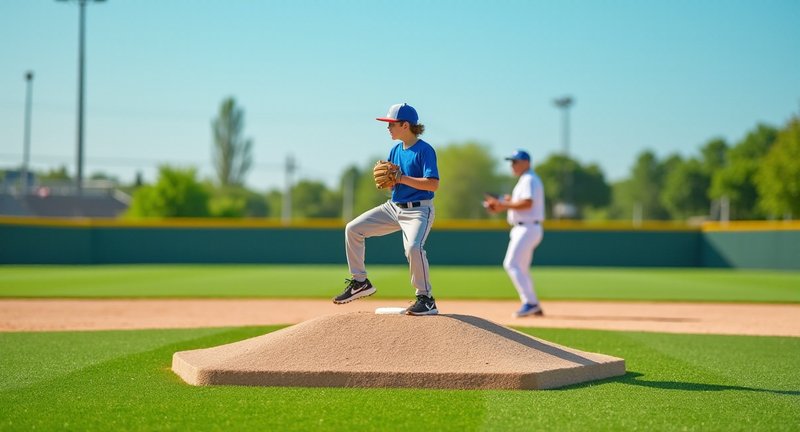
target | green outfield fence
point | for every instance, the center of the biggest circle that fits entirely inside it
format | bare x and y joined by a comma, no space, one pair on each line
767,245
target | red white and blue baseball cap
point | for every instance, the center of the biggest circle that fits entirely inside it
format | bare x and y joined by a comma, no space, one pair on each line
519,155
401,112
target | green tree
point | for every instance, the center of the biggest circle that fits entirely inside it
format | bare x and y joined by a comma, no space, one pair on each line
736,180
714,155
622,202
176,193
311,199
588,185
647,180
551,172
232,153
274,203
58,174
591,188
686,184
467,171
237,201
778,178
227,206
104,176
685,191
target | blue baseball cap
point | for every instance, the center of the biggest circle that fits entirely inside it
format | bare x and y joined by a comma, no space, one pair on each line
519,155
401,112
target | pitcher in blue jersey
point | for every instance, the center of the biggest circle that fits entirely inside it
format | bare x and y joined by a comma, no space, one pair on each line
410,210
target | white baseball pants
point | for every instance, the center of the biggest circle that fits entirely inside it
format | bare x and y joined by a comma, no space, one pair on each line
517,263
415,223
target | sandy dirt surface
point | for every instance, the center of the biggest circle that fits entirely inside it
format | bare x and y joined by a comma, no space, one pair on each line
460,352
698,318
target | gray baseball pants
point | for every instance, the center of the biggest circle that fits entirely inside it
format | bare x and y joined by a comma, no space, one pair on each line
415,223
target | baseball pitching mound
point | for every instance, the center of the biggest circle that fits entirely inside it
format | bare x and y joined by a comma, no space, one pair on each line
362,349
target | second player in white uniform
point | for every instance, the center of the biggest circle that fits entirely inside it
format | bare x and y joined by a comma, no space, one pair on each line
525,208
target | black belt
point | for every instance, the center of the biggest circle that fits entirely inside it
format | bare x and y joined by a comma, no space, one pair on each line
524,223
408,204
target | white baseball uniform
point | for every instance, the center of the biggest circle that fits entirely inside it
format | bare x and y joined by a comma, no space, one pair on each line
526,234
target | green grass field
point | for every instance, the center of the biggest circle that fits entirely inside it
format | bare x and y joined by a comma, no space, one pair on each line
315,281
121,380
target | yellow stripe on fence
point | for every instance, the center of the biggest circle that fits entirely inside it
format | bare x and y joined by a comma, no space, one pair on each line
751,226
442,224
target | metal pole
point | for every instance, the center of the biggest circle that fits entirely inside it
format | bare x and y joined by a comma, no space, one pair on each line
287,195
564,103
81,62
81,38
567,170
724,209
26,152
565,130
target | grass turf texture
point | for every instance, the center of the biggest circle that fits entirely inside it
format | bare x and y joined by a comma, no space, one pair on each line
114,380
326,281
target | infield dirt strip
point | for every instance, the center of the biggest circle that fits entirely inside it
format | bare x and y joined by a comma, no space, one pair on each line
129,314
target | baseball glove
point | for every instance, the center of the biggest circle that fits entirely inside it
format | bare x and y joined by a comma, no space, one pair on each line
386,174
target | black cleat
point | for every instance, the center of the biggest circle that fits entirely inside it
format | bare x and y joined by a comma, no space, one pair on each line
355,290
424,306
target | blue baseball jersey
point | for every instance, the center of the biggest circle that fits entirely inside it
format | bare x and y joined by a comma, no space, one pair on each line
418,160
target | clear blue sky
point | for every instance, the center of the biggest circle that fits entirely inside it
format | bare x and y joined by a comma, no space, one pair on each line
312,76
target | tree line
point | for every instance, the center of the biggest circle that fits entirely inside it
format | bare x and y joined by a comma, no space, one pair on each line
756,177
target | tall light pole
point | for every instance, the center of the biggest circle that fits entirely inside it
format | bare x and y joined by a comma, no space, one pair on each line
81,61
289,168
564,103
26,145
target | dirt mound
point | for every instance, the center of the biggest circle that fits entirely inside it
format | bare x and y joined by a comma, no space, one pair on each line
362,349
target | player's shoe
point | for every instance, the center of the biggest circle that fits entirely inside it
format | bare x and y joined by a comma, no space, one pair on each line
528,309
355,290
424,306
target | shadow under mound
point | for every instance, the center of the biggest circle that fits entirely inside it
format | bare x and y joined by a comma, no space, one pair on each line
362,349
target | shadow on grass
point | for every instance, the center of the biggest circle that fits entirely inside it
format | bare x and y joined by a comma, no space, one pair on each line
632,378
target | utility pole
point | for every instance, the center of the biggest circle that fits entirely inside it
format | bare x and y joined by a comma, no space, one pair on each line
566,207
724,209
290,167
81,61
26,145
637,214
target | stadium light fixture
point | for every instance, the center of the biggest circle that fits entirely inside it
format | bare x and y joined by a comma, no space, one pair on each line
566,208
81,61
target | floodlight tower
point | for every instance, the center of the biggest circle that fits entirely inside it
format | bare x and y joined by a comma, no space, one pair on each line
289,170
81,61
566,208
26,146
